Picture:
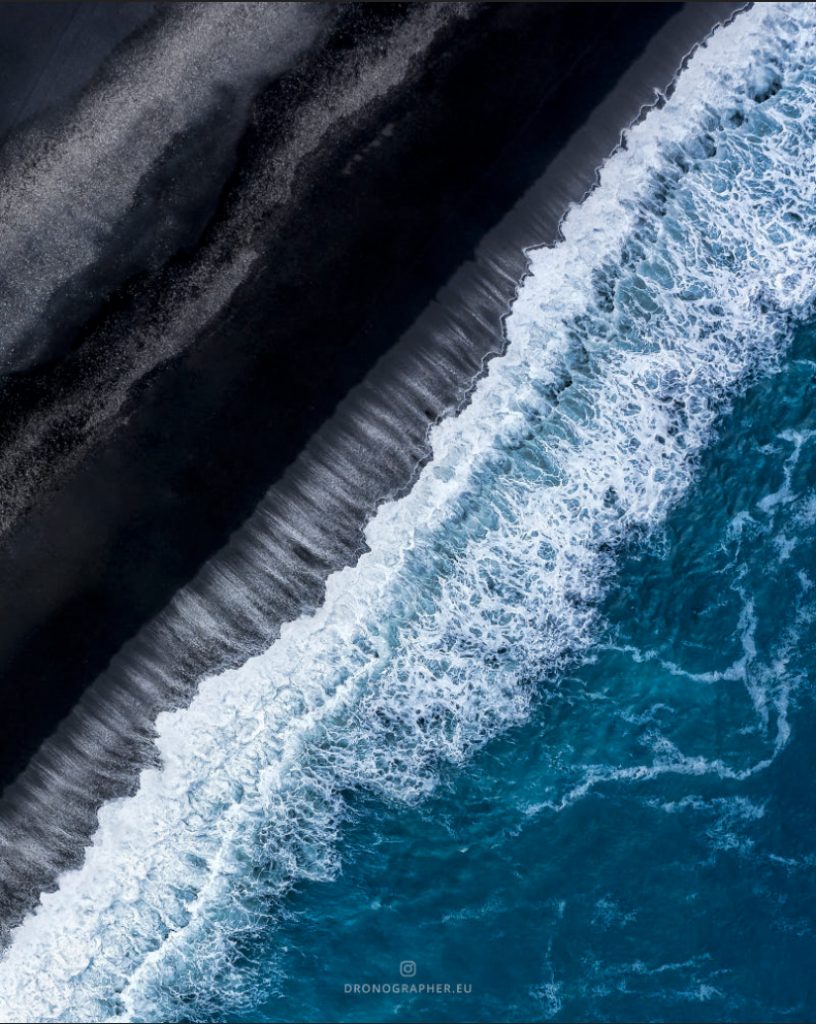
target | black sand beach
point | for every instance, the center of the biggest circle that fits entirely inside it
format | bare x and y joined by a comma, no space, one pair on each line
123,473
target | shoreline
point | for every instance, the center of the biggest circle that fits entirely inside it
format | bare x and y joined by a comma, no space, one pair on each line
128,463
310,523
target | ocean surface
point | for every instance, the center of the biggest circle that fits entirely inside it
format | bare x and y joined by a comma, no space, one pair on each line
644,846
550,742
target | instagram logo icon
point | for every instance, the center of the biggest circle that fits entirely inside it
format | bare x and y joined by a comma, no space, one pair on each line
408,969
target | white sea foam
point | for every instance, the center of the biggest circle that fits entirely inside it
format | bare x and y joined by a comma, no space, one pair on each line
677,279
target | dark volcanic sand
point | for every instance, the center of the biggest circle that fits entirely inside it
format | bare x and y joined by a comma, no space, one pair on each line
377,223
48,52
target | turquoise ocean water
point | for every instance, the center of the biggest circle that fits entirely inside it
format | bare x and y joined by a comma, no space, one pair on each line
644,847
551,739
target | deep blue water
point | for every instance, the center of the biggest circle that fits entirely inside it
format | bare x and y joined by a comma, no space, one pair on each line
682,884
